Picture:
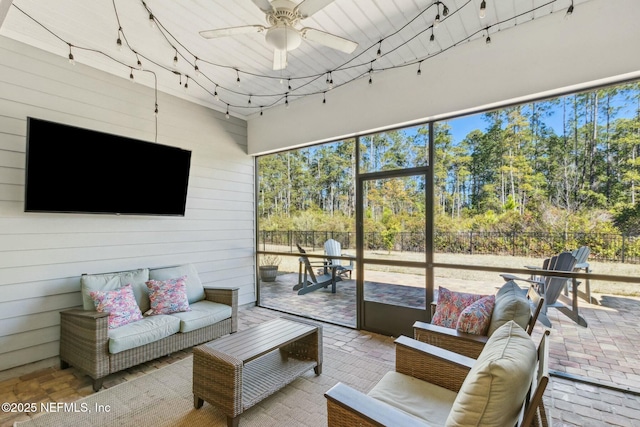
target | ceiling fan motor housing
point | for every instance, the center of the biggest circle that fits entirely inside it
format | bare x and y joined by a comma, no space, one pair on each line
282,35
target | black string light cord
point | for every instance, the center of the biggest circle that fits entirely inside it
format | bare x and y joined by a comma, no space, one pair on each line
300,82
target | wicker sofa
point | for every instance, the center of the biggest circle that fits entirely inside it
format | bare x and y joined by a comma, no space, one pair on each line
88,343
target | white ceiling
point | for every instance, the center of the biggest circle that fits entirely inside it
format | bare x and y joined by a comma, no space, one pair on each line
401,29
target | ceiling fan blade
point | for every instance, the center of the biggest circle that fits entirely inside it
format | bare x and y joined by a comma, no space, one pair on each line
263,5
309,7
279,59
329,40
232,31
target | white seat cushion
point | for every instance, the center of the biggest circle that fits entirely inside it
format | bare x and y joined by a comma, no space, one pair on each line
202,313
141,332
511,304
420,399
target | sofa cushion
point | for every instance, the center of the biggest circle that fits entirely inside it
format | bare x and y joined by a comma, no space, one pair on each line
141,332
511,304
421,399
167,296
493,392
450,305
195,290
202,313
476,317
119,303
111,281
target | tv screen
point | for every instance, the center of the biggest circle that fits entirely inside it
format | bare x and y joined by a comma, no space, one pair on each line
75,170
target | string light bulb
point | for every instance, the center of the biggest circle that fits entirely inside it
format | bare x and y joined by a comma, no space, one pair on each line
215,94
379,52
175,58
433,36
186,83
72,61
152,20
131,75
324,97
249,100
227,113
119,40
569,10
155,112
483,9
195,67
289,83
286,100
488,40
419,68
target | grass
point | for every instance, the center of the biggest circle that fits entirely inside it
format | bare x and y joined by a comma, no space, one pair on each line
290,264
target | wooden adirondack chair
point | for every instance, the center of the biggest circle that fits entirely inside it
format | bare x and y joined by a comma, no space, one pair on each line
333,248
551,287
582,254
308,281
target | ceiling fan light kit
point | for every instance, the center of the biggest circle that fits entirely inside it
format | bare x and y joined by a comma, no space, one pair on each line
282,35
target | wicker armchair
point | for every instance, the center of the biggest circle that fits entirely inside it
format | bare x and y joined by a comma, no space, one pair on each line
428,387
471,345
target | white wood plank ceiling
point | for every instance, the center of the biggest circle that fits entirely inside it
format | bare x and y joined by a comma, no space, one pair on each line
401,29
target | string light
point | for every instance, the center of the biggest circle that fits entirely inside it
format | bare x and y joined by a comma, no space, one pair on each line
71,59
227,114
131,75
249,100
324,97
175,58
444,12
155,113
286,100
261,110
483,9
379,52
119,40
419,68
569,10
186,83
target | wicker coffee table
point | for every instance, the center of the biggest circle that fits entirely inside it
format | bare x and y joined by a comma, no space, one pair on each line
235,372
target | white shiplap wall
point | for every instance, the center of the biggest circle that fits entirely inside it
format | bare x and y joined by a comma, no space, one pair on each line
43,255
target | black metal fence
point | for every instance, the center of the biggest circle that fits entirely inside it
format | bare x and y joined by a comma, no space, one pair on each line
604,247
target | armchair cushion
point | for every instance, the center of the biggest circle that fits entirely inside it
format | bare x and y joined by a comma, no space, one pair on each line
497,384
511,304
450,305
195,290
424,400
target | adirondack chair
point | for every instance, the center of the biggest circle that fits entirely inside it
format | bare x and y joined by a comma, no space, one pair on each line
581,255
308,281
333,248
551,287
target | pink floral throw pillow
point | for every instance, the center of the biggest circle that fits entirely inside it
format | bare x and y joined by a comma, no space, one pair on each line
450,305
168,296
119,303
476,317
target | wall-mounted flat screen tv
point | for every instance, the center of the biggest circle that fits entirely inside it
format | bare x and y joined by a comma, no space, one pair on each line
75,170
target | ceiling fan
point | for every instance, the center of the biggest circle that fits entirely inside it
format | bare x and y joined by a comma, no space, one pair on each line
283,16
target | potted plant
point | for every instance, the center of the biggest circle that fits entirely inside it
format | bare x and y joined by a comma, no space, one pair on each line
269,267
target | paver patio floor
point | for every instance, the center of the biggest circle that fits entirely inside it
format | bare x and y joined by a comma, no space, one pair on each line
606,352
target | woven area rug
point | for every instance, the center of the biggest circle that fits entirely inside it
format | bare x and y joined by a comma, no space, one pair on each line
164,398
